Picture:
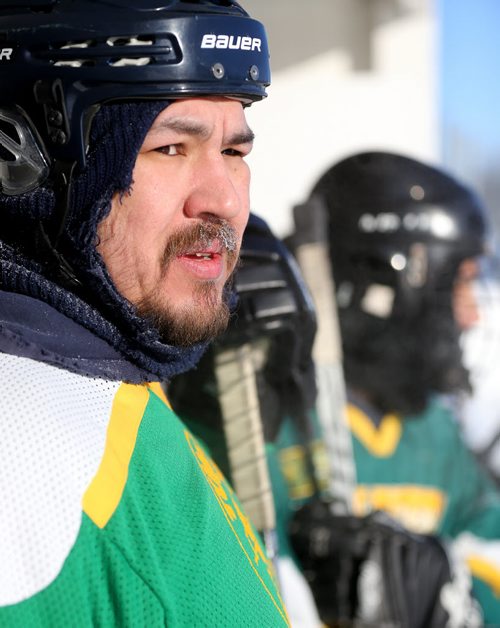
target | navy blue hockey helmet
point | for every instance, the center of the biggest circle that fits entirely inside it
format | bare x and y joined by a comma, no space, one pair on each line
61,59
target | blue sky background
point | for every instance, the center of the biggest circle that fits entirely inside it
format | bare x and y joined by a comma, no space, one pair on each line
469,81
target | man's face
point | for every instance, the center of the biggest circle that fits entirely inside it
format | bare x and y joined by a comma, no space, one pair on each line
465,306
171,244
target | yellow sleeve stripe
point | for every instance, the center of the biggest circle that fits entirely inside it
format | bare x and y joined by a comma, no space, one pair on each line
105,491
485,571
381,441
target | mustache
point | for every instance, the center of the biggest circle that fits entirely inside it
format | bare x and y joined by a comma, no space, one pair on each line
195,238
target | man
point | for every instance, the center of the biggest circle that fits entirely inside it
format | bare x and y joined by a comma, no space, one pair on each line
403,240
124,199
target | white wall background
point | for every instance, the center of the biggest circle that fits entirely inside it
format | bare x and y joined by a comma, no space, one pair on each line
369,82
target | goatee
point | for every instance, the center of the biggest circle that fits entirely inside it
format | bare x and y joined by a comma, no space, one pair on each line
208,314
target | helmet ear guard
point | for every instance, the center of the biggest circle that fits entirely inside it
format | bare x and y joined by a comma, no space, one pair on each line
23,162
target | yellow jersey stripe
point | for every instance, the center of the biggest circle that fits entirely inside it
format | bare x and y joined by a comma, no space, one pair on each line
105,491
381,441
419,508
485,571
233,514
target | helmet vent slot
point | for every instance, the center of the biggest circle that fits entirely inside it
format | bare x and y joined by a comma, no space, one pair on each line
130,41
75,63
130,61
71,45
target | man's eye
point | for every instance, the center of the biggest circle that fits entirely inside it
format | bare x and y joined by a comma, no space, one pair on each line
170,150
232,152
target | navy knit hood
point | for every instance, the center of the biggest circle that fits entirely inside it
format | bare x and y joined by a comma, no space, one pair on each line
27,266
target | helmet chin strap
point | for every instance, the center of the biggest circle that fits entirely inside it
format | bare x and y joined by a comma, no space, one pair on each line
50,242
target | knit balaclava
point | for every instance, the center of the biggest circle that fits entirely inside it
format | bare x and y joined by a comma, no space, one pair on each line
116,136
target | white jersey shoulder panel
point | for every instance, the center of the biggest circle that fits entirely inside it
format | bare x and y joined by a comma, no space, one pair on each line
53,428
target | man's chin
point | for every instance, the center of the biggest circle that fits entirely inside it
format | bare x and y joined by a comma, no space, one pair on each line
191,329
186,325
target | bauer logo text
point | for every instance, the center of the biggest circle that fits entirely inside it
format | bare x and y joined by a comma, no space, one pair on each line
231,42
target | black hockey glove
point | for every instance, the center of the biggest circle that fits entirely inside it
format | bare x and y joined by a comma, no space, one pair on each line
372,572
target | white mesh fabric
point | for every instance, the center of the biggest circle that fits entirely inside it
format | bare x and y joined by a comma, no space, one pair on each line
52,434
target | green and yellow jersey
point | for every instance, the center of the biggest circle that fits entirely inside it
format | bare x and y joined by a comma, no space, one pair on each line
114,515
419,471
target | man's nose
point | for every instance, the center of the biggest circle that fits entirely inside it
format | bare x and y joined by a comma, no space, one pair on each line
218,190
465,305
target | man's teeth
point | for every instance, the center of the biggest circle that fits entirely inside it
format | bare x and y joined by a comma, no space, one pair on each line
203,255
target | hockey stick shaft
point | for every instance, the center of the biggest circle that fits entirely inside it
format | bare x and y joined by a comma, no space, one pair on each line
313,259
239,402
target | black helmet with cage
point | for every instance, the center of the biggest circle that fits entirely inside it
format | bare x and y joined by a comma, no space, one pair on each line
397,222
398,230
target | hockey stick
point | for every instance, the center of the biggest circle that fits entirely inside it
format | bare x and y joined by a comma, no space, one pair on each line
273,303
311,249
239,403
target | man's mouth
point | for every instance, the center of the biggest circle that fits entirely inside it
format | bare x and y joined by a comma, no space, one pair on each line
200,255
207,264
207,252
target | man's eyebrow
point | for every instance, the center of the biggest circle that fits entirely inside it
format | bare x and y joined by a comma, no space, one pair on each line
181,125
244,137
197,129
